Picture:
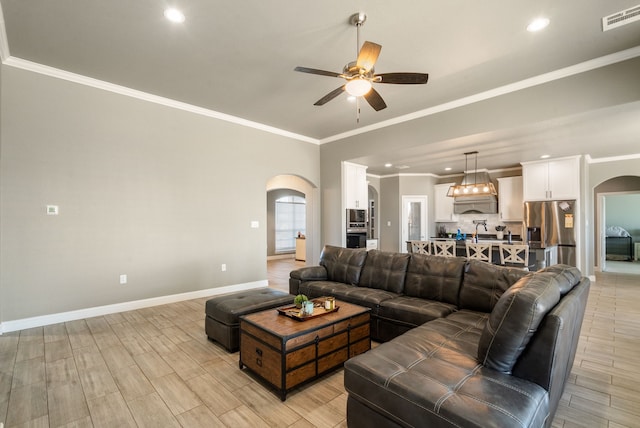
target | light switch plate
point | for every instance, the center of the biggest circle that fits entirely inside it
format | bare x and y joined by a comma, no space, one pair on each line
255,224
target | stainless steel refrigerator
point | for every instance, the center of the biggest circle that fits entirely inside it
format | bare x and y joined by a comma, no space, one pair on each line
550,223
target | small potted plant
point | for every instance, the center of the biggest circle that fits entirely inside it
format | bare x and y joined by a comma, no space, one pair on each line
500,231
299,299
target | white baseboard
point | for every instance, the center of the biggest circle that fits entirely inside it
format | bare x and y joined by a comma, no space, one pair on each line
592,278
282,256
39,321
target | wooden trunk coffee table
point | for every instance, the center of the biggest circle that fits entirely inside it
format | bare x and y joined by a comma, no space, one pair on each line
286,352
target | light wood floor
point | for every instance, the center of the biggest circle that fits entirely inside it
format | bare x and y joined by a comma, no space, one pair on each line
154,367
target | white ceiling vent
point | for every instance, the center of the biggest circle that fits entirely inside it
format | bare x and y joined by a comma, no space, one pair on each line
621,18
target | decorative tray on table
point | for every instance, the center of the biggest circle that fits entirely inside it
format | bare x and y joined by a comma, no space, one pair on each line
294,312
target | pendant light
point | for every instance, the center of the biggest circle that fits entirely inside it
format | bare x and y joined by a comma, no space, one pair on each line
470,185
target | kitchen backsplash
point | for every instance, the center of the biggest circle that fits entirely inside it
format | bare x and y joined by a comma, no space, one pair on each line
466,225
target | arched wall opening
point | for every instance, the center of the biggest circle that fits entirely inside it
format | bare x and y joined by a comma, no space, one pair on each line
312,199
627,187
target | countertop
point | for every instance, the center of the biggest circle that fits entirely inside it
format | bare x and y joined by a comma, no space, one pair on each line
515,240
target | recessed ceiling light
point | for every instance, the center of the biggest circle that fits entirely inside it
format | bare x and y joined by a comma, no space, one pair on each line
388,165
537,24
448,168
544,156
174,15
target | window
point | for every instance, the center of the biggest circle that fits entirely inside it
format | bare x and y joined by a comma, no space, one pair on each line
290,219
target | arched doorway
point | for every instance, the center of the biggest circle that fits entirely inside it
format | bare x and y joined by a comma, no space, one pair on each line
294,185
615,212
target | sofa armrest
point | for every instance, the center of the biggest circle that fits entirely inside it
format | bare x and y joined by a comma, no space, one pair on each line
310,273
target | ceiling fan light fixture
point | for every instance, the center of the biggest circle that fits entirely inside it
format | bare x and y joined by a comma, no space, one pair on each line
358,87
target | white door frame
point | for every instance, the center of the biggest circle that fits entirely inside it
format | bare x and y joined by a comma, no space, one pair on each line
404,232
602,234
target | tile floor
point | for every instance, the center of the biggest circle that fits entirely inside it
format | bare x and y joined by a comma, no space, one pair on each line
154,367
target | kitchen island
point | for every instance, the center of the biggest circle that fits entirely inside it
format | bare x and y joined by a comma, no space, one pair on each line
539,258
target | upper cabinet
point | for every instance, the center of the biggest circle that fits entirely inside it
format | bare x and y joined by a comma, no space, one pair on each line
444,204
510,200
553,179
355,185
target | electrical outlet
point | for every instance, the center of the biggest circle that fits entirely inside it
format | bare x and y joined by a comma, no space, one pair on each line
223,267
123,279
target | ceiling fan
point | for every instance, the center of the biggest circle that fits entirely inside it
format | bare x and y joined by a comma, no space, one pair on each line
360,75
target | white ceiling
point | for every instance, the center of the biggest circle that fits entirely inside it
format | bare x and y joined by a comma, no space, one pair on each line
238,57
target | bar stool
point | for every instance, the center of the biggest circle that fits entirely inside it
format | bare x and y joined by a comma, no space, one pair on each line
477,251
514,255
421,247
444,248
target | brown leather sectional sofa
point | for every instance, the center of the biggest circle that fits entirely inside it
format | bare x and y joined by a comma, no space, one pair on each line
467,343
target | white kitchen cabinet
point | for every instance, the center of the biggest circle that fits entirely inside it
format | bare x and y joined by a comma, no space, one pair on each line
355,185
443,204
553,179
510,199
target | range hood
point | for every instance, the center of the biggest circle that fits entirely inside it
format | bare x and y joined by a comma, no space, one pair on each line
475,203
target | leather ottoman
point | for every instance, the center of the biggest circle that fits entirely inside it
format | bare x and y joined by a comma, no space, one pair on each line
222,322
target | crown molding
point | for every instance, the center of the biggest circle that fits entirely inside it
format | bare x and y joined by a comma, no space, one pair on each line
496,92
133,93
591,160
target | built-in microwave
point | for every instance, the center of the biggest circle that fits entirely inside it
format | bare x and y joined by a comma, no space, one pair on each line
356,218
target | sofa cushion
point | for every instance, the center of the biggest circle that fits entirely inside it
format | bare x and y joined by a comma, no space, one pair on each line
343,264
368,297
515,319
385,271
429,376
434,277
414,311
313,289
484,283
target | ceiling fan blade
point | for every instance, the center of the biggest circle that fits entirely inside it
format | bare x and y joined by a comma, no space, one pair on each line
375,100
368,55
331,95
316,71
403,78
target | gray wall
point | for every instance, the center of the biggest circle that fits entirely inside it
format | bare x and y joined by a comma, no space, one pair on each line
162,195
389,213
